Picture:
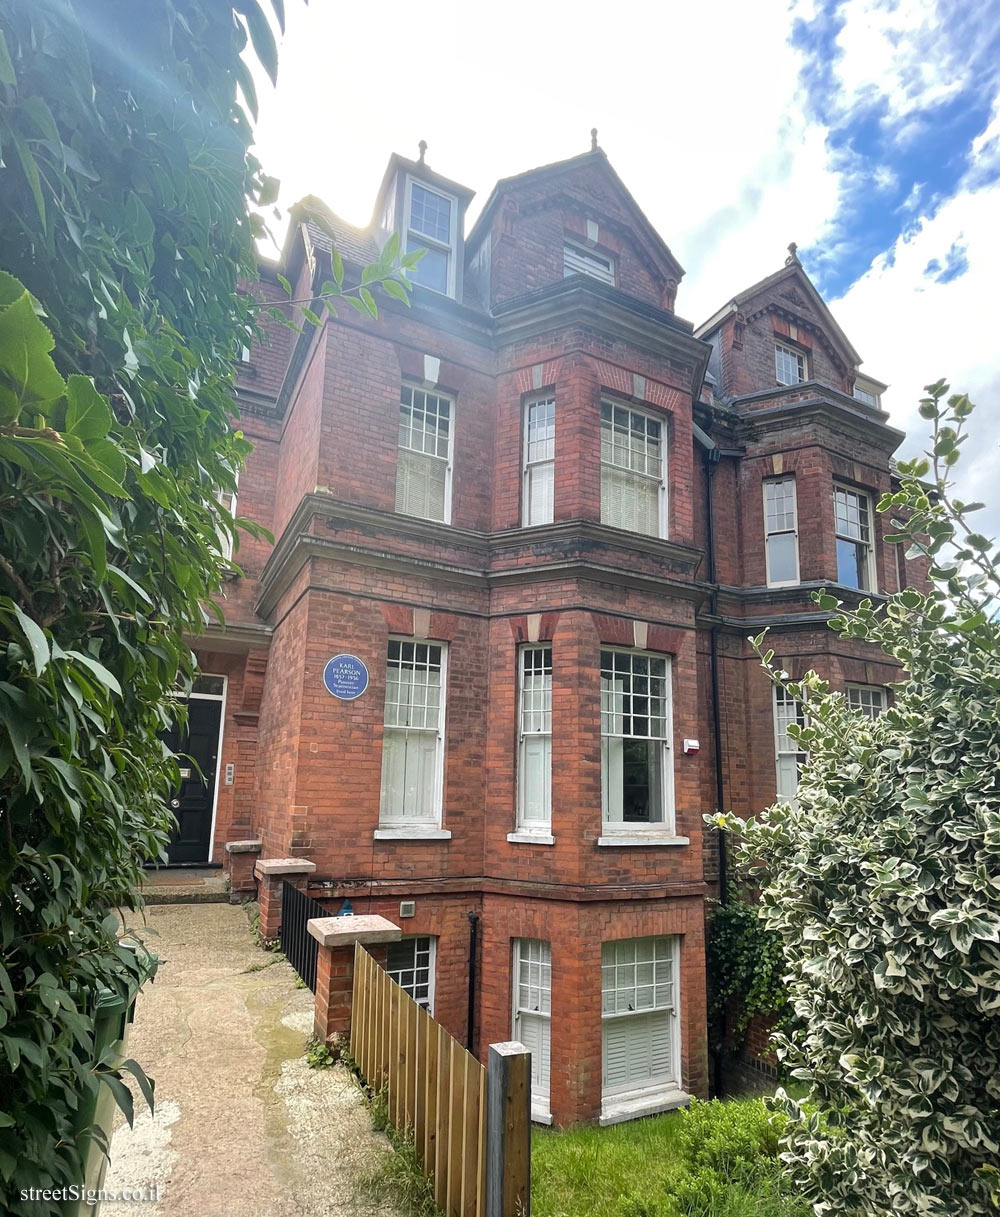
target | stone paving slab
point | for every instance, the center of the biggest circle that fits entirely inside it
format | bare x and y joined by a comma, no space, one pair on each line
243,1127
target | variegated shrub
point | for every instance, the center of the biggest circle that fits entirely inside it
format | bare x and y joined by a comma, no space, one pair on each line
883,883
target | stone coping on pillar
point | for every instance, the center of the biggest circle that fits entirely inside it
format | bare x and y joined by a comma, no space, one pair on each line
284,866
346,931
244,847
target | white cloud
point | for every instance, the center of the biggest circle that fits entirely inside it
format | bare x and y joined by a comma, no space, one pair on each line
913,329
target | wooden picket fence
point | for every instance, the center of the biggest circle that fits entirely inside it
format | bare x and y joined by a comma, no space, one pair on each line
436,1090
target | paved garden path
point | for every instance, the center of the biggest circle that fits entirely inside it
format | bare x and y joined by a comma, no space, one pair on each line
243,1127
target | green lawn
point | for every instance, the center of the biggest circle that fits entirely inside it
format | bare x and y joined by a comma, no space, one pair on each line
715,1160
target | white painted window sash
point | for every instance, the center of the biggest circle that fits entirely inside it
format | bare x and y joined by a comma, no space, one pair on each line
538,464
640,1027
534,754
620,702
788,757
422,240
633,470
413,754
424,478
775,527
531,999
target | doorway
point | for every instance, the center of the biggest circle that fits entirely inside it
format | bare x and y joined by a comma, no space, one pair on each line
193,802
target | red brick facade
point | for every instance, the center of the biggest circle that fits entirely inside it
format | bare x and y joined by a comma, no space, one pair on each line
348,572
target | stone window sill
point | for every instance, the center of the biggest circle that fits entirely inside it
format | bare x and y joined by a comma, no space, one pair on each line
640,840
631,1107
540,1116
531,838
415,832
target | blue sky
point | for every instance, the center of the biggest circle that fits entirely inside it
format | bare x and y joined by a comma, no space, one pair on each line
868,131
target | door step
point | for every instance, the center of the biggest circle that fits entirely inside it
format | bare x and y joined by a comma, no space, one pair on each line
185,886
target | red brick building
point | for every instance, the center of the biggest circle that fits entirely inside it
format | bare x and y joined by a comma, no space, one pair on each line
544,512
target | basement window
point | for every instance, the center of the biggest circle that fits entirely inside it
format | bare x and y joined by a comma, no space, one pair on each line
868,700
410,963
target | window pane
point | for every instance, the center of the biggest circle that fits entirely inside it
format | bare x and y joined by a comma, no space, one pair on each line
579,261
851,564
432,269
866,699
430,214
634,729
408,963
782,558
789,366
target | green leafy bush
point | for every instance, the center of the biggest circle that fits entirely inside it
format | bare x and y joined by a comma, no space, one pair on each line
745,966
883,883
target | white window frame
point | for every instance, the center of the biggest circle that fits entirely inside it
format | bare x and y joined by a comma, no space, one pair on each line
532,464
784,348
407,386
664,827
423,241
617,1099
864,498
869,398
411,824
431,941
769,533
534,953
874,695
649,416
780,697
533,723
228,542
579,260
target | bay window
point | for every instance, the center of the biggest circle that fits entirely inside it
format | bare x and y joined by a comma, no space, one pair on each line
413,737
639,1018
423,470
534,754
532,986
633,470
781,537
636,765
539,462
853,529
788,757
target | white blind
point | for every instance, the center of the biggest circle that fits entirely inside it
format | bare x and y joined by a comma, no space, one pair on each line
412,740
424,454
632,469
638,1002
532,1011
535,738
539,461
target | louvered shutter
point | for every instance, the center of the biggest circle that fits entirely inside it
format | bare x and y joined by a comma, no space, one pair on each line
638,1052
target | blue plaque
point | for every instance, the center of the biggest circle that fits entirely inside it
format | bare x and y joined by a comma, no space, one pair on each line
346,677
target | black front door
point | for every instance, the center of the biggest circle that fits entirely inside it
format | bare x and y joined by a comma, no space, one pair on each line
192,803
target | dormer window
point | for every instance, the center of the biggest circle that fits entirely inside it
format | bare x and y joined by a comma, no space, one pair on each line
867,396
431,225
580,261
789,365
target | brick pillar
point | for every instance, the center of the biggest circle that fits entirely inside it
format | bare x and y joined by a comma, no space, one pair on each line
272,872
335,968
241,857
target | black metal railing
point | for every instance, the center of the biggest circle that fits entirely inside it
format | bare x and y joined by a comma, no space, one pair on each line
297,945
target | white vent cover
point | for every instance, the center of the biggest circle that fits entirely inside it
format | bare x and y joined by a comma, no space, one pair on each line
407,908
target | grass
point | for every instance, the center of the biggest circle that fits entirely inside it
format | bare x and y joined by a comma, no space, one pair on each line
716,1160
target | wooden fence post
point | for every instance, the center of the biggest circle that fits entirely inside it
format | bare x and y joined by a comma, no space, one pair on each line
508,1131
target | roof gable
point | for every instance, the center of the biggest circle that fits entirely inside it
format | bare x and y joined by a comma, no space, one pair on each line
789,288
560,176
